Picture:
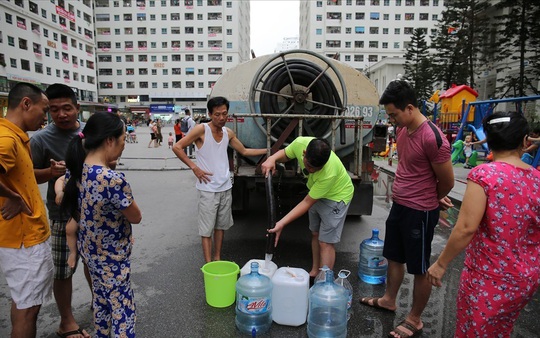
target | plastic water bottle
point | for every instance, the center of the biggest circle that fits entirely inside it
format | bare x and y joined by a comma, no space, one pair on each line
253,302
343,281
321,276
327,315
372,265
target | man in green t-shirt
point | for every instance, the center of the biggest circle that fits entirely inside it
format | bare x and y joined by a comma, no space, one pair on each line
330,193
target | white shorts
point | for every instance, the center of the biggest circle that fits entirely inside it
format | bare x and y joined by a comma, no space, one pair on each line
215,211
29,274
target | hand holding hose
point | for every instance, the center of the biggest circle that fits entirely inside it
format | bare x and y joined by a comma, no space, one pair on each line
268,166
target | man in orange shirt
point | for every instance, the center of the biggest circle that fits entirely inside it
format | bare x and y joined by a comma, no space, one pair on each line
25,253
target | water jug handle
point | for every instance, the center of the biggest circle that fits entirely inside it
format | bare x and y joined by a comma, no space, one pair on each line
344,273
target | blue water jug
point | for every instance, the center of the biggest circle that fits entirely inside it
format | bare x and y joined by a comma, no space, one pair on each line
372,265
327,316
253,302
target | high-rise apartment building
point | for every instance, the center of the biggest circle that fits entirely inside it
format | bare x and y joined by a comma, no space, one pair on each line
364,32
45,42
156,54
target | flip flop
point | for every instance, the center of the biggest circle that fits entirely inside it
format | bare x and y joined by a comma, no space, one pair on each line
79,331
366,301
415,331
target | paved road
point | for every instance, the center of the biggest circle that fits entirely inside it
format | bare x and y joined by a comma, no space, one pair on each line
167,258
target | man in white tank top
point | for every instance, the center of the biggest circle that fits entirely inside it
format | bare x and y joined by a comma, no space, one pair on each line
212,171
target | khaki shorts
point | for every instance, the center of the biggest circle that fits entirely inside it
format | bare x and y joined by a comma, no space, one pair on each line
29,274
327,218
215,211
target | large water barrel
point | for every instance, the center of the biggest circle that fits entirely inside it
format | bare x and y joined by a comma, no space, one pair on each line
299,82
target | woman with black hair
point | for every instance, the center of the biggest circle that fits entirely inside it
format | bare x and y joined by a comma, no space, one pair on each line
101,200
499,224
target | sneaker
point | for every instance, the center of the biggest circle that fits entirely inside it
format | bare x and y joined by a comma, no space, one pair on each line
466,166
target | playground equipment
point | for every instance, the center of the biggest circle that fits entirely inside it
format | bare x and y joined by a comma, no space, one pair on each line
458,156
483,109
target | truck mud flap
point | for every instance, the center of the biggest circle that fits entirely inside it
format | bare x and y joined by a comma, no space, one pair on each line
362,202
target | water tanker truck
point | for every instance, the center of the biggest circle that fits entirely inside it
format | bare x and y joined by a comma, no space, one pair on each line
275,98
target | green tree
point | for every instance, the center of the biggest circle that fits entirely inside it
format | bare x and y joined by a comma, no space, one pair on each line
459,39
418,68
519,44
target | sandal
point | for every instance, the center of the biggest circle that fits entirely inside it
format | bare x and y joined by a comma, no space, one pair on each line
401,334
374,302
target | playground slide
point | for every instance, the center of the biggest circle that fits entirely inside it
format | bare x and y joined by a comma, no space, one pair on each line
480,135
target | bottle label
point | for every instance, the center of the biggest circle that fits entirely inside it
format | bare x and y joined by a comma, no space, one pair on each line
253,305
377,262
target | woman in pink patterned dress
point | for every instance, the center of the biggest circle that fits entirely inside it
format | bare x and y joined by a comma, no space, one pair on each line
499,223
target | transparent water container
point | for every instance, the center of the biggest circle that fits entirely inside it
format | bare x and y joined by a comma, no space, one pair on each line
327,316
253,302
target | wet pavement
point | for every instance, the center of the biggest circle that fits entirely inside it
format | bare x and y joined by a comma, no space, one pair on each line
167,258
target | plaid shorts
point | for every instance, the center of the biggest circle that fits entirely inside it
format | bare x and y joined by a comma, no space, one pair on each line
60,250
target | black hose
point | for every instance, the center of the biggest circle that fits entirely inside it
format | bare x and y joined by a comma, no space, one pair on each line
303,73
271,207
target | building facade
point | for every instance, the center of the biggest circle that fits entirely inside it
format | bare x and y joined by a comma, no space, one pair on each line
45,42
158,55
363,32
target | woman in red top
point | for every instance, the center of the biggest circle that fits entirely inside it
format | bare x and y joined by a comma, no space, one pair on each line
499,223
177,130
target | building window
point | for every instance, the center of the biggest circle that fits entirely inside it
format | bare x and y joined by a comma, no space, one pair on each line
11,41
434,17
318,31
347,44
408,30
318,45
374,44
359,58
190,84
348,30
154,85
200,84
359,44
373,58
229,45
360,16
396,45
177,84
385,45
386,16
397,31
229,59
119,85
409,2
318,17
385,30
347,58
373,30
9,18
319,3
25,64
13,63
359,29
409,16
229,17
348,16
374,16
44,15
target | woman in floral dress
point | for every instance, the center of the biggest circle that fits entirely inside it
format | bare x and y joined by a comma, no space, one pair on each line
101,199
499,223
